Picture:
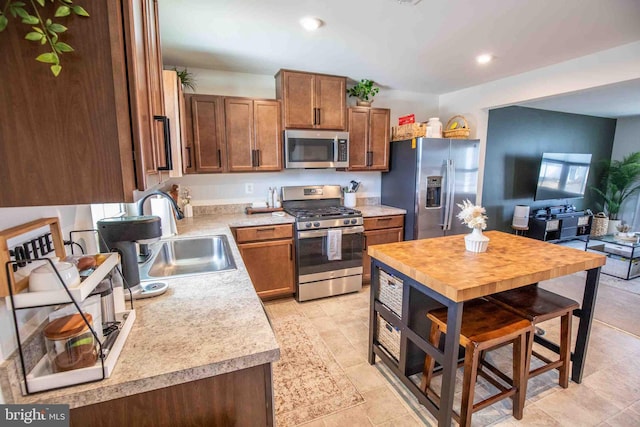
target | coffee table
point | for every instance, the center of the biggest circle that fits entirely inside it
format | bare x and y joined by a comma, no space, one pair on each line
623,255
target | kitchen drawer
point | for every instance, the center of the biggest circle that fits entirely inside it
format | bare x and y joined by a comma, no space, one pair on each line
266,232
379,222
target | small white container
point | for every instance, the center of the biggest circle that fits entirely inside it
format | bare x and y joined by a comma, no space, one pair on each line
44,278
350,200
434,128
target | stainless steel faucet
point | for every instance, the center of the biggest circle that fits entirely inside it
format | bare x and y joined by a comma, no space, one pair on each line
174,205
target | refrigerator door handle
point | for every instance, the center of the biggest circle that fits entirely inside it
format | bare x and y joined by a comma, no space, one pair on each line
447,197
452,192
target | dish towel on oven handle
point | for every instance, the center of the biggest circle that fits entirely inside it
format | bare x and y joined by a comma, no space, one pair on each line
334,244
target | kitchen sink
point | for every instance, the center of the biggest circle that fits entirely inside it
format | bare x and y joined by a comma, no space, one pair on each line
188,256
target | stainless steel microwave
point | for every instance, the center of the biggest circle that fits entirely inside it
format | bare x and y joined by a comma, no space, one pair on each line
311,149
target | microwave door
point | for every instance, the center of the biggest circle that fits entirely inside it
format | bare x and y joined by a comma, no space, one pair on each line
310,152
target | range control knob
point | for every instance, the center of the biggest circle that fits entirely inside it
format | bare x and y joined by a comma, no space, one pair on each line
354,221
316,224
345,222
308,225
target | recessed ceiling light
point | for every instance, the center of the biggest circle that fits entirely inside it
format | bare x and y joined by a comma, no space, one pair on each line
484,59
407,2
310,23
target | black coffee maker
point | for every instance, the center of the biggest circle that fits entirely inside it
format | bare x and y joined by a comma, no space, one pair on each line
121,235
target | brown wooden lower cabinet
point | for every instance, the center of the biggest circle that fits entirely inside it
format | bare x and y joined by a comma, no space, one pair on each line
377,231
241,398
268,253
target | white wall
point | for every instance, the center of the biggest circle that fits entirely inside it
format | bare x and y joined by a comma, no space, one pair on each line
218,189
627,141
606,67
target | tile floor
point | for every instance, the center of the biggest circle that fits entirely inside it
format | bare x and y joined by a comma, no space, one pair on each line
608,396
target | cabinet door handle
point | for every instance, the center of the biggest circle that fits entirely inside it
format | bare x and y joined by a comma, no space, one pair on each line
290,251
364,243
189,166
257,158
369,158
318,115
167,142
265,229
219,158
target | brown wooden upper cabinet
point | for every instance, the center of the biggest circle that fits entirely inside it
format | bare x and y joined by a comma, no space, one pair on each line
253,135
69,139
205,150
230,134
312,101
175,110
368,139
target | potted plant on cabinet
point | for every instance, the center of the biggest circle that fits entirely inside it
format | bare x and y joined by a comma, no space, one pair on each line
364,91
620,180
186,79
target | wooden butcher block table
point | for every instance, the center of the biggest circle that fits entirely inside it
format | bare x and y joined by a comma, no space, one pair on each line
433,272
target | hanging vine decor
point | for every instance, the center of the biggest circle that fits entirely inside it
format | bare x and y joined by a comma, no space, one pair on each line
43,31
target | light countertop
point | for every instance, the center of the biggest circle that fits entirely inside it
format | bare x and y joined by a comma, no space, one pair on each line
204,325
379,210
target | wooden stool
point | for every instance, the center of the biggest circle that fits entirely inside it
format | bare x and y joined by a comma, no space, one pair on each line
484,326
539,305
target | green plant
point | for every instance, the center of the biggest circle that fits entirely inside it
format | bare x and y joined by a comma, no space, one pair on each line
186,78
363,90
620,180
44,30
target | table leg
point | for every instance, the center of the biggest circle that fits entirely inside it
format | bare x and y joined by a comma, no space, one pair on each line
451,344
584,328
371,356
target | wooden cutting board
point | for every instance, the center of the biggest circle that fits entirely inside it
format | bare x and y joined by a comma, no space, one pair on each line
10,233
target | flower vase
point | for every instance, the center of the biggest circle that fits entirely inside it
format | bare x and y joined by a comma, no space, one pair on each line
476,241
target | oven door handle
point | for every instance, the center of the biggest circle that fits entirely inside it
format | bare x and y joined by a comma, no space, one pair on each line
310,234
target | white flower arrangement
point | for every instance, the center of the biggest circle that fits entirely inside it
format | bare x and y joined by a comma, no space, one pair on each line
472,215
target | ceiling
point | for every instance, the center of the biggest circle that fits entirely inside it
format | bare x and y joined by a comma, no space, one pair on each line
426,48
613,101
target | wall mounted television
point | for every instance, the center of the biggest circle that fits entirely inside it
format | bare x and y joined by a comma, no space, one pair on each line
563,176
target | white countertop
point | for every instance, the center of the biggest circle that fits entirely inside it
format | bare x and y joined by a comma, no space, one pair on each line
379,210
203,326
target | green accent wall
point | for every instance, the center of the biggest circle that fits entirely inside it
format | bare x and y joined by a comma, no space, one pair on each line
516,139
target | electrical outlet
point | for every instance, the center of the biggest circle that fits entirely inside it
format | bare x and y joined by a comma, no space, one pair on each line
248,188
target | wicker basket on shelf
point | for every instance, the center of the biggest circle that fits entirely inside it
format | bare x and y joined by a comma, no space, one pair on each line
600,224
461,131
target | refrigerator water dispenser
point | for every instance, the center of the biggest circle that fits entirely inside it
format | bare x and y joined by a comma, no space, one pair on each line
434,192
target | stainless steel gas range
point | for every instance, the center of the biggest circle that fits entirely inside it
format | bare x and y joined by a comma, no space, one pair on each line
328,241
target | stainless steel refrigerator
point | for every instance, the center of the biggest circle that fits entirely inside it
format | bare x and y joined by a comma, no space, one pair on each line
428,178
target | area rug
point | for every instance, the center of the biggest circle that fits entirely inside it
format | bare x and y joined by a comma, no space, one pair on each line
308,383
